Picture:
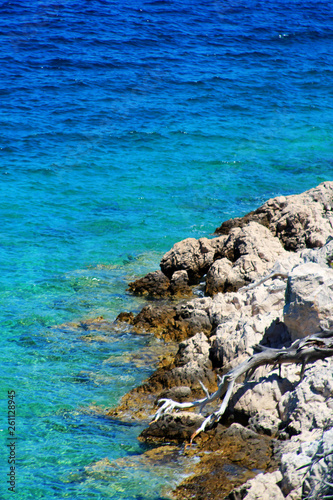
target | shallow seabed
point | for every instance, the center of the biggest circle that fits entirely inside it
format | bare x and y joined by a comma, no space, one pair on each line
125,127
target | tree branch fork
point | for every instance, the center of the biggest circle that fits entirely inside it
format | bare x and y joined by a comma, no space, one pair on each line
302,351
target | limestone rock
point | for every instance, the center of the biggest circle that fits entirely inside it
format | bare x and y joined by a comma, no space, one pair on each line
191,255
242,320
261,487
154,318
193,363
265,422
220,278
249,267
299,221
295,461
309,300
125,317
322,256
179,393
223,276
253,250
309,406
157,285
172,322
255,239
262,395
195,314
218,244
318,482
234,340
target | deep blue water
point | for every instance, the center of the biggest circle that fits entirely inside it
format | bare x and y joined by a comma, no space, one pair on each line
125,127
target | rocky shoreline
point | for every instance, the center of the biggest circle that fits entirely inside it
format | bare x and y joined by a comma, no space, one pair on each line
265,279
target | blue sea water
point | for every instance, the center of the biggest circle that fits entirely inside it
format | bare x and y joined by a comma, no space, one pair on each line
125,127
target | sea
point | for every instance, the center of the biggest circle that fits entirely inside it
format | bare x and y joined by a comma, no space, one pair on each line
126,126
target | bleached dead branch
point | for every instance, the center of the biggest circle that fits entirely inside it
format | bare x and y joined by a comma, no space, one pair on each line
302,351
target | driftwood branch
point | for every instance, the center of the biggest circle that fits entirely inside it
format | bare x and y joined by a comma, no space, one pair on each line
302,351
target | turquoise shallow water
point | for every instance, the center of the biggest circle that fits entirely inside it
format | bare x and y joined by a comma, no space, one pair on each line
126,127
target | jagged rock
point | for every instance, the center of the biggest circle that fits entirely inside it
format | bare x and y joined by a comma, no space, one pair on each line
196,314
155,318
218,244
300,221
318,482
221,277
193,363
258,398
229,457
157,285
234,339
172,322
295,459
261,487
173,427
252,249
265,422
244,320
225,327
322,256
310,405
179,284
309,300
255,239
249,267
265,298
191,255
154,284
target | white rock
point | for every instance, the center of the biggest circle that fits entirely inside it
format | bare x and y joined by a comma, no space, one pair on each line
191,255
193,363
309,300
261,487
309,405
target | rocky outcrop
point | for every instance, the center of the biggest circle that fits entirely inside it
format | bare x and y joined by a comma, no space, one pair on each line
299,221
247,248
269,281
248,253
157,285
178,427
171,322
191,255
